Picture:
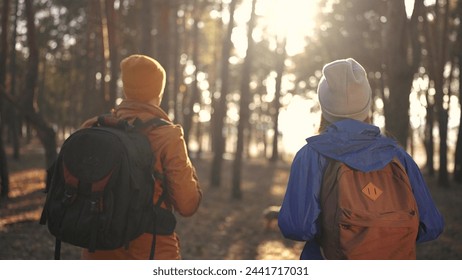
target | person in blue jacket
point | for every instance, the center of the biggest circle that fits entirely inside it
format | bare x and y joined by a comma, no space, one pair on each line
346,135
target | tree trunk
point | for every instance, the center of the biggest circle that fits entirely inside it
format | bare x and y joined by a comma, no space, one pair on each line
400,68
457,173
91,102
219,112
105,54
163,47
443,115
113,54
176,63
244,111
146,23
4,176
214,70
429,143
4,44
436,42
195,98
281,57
13,122
45,133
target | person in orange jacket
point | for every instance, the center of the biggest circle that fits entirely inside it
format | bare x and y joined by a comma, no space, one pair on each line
143,83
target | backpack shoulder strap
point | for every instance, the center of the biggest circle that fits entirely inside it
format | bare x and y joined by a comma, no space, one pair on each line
144,126
398,163
330,176
151,123
108,120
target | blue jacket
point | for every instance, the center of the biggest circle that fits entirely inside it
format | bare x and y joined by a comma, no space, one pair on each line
361,146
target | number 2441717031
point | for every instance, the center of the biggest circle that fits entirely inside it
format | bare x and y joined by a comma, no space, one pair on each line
274,270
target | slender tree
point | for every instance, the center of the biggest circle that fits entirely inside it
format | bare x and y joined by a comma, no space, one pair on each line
428,134
437,44
219,112
163,48
146,23
90,98
244,111
176,75
4,177
402,58
280,66
13,122
45,132
105,53
113,45
195,98
457,174
110,58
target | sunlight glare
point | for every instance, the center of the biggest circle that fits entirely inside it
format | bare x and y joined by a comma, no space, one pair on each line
297,123
409,7
293,19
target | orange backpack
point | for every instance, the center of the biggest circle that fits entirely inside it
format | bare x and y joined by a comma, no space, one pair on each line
368,215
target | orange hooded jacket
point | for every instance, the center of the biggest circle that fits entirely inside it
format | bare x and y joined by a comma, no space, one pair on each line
184,193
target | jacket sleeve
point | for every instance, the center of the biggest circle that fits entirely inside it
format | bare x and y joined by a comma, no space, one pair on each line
298,217
431,221
183,184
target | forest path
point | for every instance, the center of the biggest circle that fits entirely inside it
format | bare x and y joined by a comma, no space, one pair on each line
222,229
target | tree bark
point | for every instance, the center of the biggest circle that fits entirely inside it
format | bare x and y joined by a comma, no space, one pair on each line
195,98
219,112
176,63
437,43
163,47
4,176
105,54
13,122
428,141
146,27
280,58
113,51
457,173
400,67
244,111
45,133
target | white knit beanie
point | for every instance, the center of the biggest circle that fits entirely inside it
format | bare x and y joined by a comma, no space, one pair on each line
344,91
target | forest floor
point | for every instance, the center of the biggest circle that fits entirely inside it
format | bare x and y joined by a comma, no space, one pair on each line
222,229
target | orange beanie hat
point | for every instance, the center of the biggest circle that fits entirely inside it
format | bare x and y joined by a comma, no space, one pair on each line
143,78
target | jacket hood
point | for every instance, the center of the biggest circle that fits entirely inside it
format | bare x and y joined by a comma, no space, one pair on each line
357,144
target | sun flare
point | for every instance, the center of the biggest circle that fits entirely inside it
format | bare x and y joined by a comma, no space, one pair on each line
290,19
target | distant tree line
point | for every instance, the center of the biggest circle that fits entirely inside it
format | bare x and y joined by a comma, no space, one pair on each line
59,64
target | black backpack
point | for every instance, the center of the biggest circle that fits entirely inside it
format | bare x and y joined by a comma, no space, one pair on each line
100,189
